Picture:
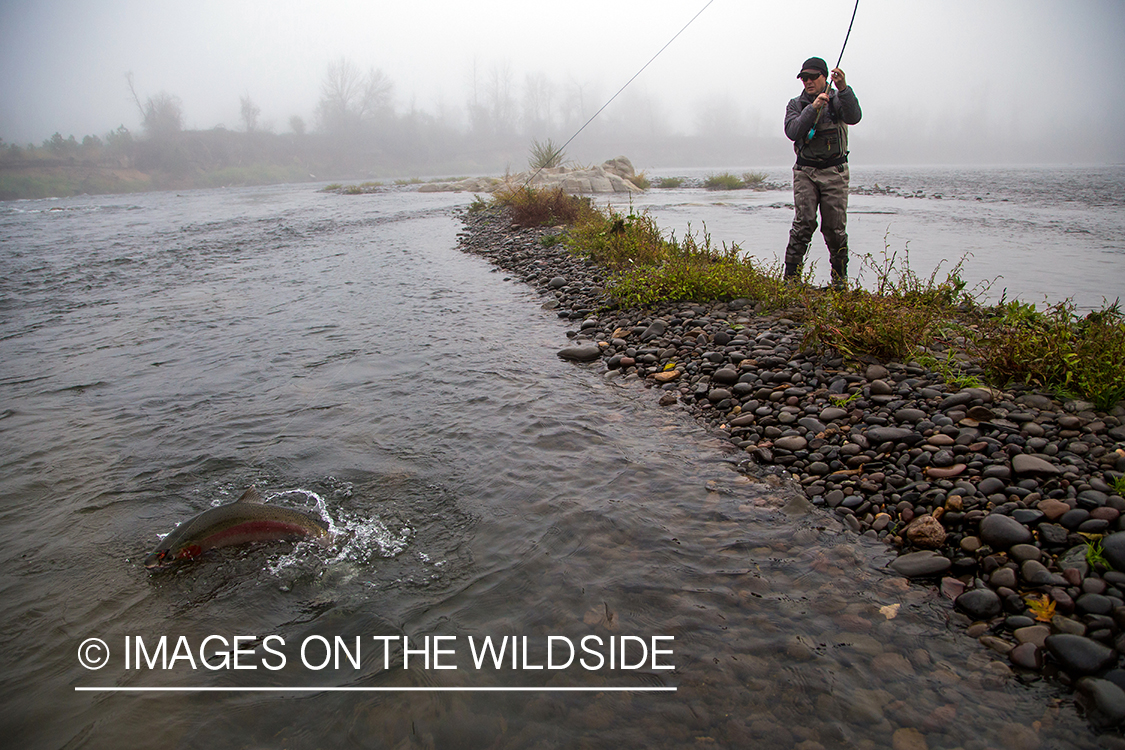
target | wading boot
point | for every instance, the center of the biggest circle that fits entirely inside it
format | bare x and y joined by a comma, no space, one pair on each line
840,271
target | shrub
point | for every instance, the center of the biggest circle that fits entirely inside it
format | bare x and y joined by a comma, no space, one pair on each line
1057,349
753,179
723,181
670,182
540,207
903,312
616,240
545,155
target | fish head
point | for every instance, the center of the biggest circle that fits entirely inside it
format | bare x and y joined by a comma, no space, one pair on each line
166,557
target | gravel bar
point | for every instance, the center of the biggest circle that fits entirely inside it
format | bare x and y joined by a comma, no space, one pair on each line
990,494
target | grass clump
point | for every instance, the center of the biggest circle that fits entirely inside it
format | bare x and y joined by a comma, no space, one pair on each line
545,155
542,207
949,369
618,241
648,268
642,181
723,181
753,179
904,312
1095,555
669,183
1057,349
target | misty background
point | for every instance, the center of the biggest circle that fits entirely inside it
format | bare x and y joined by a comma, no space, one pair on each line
443,86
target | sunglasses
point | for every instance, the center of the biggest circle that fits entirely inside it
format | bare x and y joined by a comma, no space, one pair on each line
809,76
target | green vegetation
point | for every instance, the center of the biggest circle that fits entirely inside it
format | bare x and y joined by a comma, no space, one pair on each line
1118,485
903,312
670,182
906,316
723,181
545,155
1095,555
532,207
1057,349
949,369
728,181
642,181
364,188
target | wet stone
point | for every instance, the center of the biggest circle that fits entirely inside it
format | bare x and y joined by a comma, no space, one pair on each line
1079,655
922,563
1102,700
1094,604
979,604
1026,656
1035,573
1036,634
910,415
1113,547
791,443
584,353
1003,577
1023,463
1001,532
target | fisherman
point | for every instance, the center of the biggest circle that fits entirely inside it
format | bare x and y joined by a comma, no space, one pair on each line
817,123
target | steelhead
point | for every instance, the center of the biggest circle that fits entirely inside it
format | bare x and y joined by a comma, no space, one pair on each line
247,519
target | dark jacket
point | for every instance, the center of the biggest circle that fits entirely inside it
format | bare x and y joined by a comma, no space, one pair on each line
829,145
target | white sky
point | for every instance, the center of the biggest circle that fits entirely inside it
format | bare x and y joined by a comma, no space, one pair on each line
1037,71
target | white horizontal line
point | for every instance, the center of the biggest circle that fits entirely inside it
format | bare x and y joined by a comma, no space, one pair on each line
375,689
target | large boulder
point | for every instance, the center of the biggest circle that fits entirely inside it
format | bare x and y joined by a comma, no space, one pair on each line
613,176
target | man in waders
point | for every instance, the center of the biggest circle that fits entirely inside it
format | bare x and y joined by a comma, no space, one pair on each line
817,123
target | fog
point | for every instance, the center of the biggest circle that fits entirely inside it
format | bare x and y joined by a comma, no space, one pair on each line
940,81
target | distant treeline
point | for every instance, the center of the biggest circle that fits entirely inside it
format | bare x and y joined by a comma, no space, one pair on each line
357,133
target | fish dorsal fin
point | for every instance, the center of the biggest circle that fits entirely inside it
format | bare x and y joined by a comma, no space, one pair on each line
250,496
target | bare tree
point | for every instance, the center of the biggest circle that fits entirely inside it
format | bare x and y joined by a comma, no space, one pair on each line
538,94
501,104
249,113
350,99
161,115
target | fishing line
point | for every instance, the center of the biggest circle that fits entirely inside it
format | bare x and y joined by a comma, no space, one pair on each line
642,70
839,60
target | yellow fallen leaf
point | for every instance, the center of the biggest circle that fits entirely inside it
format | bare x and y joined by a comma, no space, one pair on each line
890,611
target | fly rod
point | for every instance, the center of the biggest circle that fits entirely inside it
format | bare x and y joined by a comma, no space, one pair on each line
828,85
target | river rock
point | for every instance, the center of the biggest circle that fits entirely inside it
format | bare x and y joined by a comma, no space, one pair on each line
923,563
1080,655
979,604
655,329
1026,656
1103,701
877,435
1113,547
1001,532
1024,463
791,443
581,353
926,532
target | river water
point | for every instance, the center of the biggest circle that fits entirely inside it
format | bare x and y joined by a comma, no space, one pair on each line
159,353
1039,234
